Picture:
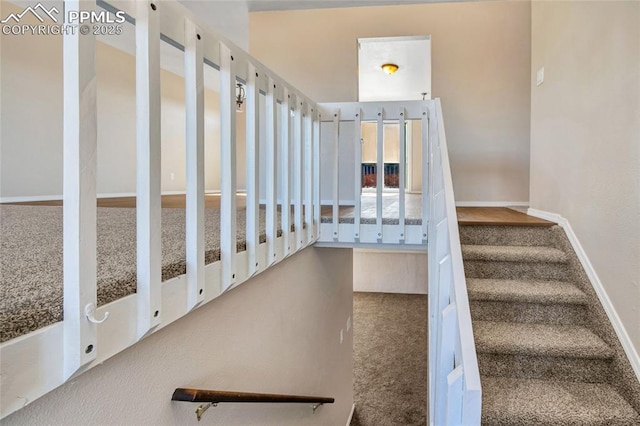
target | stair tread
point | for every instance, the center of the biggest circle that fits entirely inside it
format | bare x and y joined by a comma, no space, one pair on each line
526,291
534,402
513,253
539,340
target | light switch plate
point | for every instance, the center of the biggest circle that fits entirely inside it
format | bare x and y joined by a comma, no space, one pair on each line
540,76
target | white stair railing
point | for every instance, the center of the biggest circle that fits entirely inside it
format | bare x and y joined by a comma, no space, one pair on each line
342,151
455,395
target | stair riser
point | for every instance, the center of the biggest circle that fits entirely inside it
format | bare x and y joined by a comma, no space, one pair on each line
545,368
506,235
531,420
515,270
558,314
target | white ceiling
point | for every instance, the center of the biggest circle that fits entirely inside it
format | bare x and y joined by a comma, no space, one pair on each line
265,5
413,57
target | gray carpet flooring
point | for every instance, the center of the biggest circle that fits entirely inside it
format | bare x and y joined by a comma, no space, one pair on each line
31,282
546,351
390,359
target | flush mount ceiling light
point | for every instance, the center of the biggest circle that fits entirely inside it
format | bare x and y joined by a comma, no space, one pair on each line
390,68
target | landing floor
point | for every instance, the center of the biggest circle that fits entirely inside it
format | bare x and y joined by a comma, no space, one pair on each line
497,216
413,207
390,209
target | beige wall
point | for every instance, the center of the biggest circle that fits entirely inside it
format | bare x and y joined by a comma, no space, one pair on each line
275,333
585,136
391,151
480,70
31,138
32,107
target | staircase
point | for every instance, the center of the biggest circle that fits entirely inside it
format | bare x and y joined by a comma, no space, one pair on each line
542,353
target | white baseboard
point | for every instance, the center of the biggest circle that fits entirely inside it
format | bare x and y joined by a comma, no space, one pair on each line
492,203
30,198
353,409
615,320
551,217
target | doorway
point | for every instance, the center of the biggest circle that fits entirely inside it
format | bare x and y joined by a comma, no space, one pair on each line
391,69
391,156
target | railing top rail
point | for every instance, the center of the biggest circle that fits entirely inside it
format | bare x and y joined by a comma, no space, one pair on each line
468,349
412,110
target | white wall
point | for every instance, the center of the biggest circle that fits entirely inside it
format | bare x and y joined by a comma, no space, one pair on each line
389,272
480,69
585,136
276,333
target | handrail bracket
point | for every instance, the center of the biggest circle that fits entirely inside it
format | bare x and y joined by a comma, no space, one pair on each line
204,407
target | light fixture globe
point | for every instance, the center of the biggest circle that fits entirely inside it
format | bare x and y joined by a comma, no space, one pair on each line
390,68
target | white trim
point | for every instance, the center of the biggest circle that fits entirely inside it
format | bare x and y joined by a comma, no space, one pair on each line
492,204
610,310
398,38
388,247
353,409
401,250
30,198
551,217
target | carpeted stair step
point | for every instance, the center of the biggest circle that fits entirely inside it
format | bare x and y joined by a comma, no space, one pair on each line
507,235
588,370
519,402
532,313
539,339
515,262
541,351
535,254
531,291
530,301
540,364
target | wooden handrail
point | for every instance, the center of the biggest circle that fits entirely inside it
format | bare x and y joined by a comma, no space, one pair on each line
201,395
